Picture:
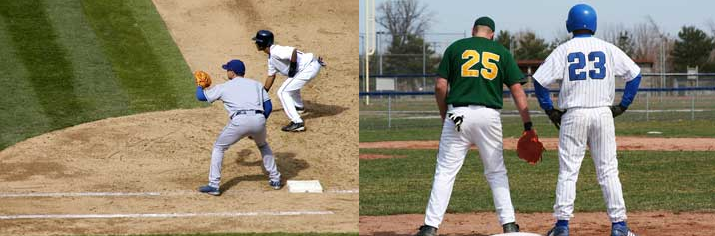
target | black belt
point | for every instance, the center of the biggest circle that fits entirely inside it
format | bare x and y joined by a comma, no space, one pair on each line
466,105
244,112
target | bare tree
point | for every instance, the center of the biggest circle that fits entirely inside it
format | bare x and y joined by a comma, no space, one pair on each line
403,18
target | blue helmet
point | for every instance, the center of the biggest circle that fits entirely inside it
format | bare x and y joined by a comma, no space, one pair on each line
581,16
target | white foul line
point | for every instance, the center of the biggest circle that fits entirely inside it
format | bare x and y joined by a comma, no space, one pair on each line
133,194
166,215
79,194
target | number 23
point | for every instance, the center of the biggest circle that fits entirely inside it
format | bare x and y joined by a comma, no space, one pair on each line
577,61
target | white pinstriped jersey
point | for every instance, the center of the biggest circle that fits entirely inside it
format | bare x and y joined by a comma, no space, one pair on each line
588,67
279,59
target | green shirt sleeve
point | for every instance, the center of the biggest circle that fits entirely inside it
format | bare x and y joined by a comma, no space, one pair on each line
512,73
444,66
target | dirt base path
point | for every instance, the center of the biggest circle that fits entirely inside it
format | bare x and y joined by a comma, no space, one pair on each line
162,157
583,224
624,143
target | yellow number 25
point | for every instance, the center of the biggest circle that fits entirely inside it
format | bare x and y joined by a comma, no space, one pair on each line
488,59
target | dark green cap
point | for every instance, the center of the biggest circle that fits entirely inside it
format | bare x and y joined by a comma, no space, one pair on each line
485,21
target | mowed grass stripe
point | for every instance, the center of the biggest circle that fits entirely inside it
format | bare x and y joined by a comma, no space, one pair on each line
177,73
95,83
49,72
20,112
675,181
133,60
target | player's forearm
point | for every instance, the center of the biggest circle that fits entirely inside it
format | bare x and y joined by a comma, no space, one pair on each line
293,68
542,94
520,99
269,82
630,92
440,94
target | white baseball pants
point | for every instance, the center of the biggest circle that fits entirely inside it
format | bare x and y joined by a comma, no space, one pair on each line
592,126
481,126
289,92
240,126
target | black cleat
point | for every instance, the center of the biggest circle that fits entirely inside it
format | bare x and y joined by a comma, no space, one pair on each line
427,230
294,127
510,227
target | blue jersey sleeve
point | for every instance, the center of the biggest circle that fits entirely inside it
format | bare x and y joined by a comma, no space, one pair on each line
543,95
631,90
200,94
267,108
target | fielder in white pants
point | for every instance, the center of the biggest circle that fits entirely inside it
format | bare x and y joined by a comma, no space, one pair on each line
481,126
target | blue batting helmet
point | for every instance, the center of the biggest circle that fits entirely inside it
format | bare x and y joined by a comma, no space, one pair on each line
581,16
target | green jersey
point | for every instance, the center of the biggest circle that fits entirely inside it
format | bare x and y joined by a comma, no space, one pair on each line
476,68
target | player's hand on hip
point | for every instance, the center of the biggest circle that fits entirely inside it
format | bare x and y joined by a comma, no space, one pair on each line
617,110
555,116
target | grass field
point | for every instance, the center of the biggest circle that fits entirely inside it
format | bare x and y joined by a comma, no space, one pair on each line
674,181
70,62
512,127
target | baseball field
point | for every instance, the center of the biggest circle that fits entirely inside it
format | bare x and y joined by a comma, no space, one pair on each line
666,168
101,133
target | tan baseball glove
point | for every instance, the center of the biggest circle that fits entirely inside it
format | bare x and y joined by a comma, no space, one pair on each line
202,79
529,147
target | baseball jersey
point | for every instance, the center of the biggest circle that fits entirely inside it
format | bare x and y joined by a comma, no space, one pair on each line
587,67
279,59
476,68
238,94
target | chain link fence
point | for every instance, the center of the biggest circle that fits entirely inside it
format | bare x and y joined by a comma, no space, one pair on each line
661,97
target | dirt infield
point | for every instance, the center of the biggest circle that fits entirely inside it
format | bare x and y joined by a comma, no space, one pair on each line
624,143
583,224
152,162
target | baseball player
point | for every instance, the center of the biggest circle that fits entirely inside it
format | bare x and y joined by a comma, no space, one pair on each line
469,92
248,106
298,66
588,67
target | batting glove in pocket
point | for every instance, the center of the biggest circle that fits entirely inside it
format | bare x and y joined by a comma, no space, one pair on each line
457,119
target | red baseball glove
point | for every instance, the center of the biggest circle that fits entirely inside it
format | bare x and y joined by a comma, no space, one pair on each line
529,147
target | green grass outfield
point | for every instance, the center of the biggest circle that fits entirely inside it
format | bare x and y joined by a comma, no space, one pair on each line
512,127
73,61
673,181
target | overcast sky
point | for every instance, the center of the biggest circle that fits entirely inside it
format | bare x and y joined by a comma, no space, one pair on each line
547,18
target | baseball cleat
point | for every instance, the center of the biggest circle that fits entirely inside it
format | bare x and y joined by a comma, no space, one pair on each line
300,110
510,227
275,184
294,127
210,190
558,231
427,230
621,230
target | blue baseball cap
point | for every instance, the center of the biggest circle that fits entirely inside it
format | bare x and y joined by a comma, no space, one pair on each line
236,66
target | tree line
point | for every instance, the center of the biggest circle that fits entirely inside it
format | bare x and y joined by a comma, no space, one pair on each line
407,21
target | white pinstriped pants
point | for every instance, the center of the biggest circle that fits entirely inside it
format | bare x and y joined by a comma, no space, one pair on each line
592,126
481,126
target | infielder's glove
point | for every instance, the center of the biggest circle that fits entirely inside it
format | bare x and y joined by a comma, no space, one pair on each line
202,79
457,119
555,116
529,147
617,110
